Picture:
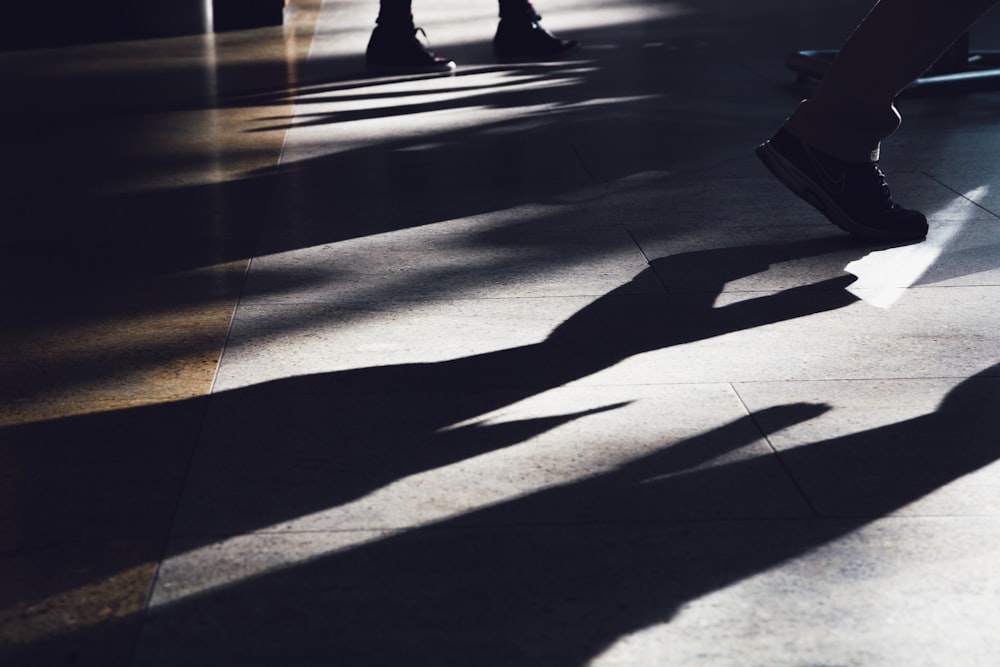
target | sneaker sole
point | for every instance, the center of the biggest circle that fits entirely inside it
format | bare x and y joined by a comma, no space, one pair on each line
804,188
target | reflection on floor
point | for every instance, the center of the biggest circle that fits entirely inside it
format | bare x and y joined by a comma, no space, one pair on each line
528,365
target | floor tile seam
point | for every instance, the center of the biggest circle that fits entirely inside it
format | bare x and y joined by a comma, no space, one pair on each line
226,339
184,478
306,18
799,488
223,350
165,370
959,193
287,110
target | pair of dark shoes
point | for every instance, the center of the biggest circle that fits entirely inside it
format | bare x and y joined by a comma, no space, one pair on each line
398,49
852,195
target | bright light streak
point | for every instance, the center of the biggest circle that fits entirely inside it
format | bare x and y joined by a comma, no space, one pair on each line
885,275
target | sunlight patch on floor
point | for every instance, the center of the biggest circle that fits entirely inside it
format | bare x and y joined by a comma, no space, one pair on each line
884,276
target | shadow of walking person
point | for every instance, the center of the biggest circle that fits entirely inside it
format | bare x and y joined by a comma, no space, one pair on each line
290,447
556,577
272,453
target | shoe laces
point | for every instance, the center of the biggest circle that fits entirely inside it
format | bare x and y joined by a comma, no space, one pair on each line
869,185
424,43
884,194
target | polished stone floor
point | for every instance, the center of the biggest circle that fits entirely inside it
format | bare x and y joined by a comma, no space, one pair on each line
531,365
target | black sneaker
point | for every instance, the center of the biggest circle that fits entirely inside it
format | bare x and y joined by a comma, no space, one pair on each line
852,195
523,38
397,50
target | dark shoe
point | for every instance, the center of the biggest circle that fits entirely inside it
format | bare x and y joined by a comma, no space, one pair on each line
852,195
396,50
523,38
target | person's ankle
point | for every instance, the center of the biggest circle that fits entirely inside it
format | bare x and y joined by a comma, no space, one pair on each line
393,22
820,130
518,12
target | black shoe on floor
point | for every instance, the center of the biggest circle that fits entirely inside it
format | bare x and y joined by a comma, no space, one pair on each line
852,195
523,39
397,50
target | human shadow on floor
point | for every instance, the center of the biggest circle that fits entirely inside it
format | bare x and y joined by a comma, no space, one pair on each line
555,578
313,442
284,449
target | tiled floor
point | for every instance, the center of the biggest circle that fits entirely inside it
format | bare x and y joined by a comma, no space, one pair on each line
528,365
